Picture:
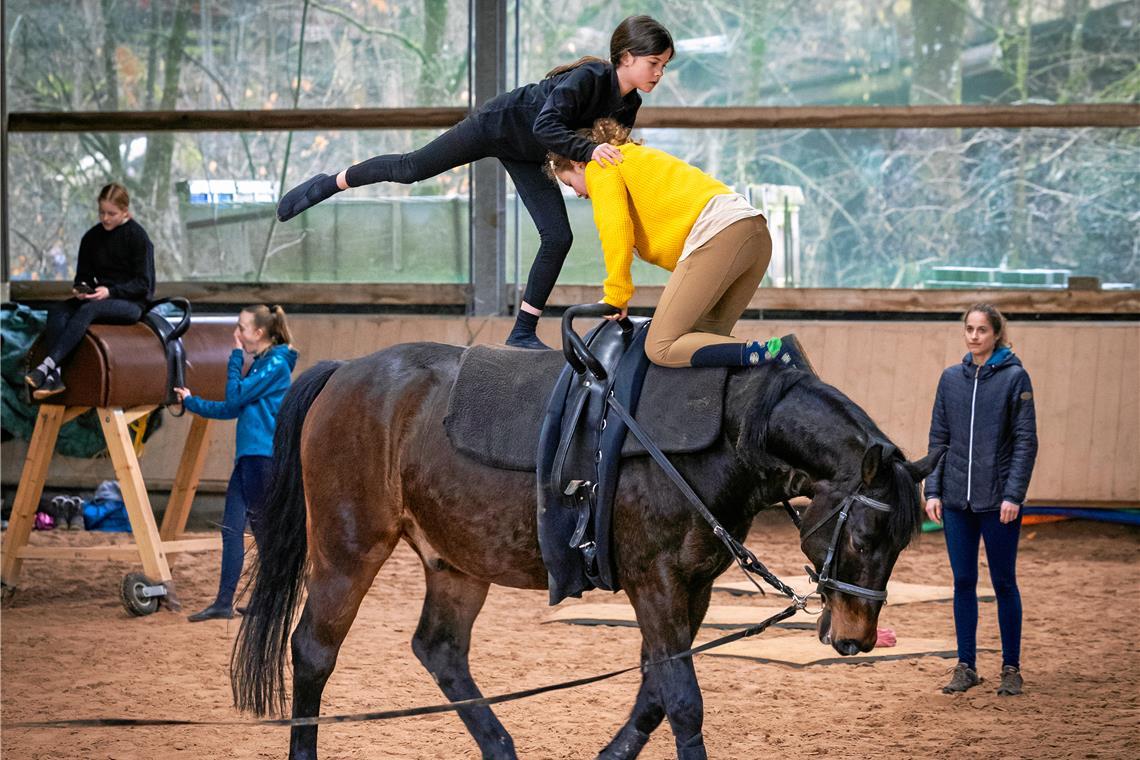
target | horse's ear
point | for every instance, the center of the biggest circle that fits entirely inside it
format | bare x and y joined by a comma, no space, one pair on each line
872,460
799,483
923,467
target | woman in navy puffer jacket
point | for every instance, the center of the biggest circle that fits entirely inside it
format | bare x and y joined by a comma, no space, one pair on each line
984,412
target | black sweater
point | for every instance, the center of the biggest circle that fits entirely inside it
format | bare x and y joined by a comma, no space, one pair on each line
541,117
122,260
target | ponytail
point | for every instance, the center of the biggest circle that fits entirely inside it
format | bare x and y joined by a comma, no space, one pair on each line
571,66
272,320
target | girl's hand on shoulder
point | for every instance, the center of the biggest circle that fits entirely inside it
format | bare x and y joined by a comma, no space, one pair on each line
1009,511
606,152
934,510
183,393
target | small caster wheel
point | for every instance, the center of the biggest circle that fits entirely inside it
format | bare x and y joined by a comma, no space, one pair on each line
139,595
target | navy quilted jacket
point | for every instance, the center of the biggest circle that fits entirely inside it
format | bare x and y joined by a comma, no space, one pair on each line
986,416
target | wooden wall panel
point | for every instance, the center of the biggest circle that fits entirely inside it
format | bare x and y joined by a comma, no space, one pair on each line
1086,378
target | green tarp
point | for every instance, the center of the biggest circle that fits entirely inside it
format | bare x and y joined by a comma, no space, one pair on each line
82,437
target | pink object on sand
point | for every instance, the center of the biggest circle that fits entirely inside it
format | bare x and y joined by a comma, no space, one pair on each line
886,638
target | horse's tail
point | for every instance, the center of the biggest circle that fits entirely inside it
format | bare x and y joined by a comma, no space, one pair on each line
257,666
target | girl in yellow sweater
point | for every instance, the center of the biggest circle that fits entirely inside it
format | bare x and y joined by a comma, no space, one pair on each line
657,207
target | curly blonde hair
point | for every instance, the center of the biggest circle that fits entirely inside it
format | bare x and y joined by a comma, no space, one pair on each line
604,131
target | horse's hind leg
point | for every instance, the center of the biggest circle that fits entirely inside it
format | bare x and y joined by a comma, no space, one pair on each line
336,586
442,641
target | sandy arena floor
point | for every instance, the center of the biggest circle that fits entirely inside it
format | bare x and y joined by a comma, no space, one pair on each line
71,651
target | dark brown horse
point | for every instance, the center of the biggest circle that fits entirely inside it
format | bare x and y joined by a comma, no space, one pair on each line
362,461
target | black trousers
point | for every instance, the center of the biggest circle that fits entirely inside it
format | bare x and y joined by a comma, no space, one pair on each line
68,321
462,144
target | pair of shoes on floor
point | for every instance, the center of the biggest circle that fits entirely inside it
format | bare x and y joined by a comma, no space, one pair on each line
68,512
214,612
45,386
964,678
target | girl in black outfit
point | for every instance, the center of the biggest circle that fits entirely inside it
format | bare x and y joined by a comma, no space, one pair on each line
519,128
114,279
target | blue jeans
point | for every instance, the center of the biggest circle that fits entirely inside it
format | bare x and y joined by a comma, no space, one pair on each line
244,495
964,528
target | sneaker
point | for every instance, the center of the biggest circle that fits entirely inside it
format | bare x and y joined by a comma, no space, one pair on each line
58,509
35,378
309,193
214,612
1011,682
521,339
51,386
75,513
964,678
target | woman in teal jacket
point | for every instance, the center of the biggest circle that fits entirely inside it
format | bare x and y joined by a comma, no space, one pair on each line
253,398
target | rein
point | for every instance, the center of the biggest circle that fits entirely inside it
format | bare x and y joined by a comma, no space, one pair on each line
744,557
409,712
748,561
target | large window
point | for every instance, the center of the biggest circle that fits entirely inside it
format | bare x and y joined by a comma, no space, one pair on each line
851,207
912,208
207,198
860,52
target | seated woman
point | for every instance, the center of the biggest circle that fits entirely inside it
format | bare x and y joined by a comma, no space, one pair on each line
114,279
657,207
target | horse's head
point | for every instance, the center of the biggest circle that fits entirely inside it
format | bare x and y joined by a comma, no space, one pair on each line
853,532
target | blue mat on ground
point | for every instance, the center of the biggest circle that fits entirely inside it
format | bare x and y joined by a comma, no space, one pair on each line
1122,516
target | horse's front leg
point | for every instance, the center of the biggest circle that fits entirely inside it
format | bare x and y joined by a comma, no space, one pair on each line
669,686
646,716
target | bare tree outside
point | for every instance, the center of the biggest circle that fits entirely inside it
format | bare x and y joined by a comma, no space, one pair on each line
880,206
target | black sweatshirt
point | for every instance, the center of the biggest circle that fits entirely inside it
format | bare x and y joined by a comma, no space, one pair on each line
122,260
543,116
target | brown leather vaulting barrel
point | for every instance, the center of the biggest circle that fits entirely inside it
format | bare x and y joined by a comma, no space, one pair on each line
125,366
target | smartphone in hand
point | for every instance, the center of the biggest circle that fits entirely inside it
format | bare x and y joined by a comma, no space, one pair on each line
84,288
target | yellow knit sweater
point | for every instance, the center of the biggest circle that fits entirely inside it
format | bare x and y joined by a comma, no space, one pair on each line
650,202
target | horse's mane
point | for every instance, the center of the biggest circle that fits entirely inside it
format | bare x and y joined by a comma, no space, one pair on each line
776,383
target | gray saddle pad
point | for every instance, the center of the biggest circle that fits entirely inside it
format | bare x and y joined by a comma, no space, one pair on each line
497,403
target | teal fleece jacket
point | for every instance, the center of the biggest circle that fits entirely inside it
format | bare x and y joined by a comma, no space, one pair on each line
253,399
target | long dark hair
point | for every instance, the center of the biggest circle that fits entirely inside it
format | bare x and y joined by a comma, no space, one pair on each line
636,35
996,319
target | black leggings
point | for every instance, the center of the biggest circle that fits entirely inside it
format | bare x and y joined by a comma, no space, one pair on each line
68,321
463,144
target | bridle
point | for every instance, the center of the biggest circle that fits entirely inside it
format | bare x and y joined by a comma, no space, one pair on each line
824,579
748,561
